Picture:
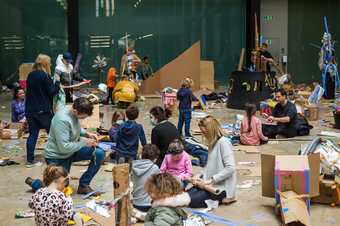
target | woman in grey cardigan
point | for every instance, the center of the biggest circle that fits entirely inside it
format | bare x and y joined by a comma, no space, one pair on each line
220,170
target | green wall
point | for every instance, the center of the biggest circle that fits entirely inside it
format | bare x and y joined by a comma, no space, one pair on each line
39,26
305,26
175,25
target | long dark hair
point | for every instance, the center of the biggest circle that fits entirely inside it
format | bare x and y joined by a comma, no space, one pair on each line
250,110
160,114
15,92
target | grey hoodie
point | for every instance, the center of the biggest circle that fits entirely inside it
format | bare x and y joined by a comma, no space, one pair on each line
141,171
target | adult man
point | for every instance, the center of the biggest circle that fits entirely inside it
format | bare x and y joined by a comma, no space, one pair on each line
144,69
65,144
285,115
266,55
64,69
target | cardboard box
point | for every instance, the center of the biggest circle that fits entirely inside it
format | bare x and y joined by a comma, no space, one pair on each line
329,193
12,131
298,173
293,209
24,70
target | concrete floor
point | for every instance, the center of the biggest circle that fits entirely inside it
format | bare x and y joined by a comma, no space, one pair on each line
250,209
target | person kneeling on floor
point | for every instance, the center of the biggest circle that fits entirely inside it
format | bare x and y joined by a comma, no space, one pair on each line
68,142
219,171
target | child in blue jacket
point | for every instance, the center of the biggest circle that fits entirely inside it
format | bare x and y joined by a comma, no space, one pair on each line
128,136
185,98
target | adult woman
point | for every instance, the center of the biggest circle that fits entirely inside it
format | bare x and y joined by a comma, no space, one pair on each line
164,132
220,169
39,102
18,105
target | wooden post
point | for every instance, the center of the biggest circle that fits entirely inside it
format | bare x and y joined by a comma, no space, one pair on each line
240,63
121,181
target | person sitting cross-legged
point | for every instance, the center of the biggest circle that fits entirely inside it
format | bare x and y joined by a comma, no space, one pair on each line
68,142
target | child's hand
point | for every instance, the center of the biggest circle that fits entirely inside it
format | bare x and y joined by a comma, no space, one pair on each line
265,115
208,182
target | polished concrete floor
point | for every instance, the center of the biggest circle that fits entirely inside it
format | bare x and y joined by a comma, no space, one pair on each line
250,209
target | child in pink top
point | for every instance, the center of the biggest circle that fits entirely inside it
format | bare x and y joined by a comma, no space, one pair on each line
177,162
251,128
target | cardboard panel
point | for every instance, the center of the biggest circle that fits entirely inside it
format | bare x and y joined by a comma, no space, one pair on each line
24,70
207,75
185,65
314,165
267,173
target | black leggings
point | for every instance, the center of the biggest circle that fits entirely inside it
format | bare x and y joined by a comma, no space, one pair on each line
198,197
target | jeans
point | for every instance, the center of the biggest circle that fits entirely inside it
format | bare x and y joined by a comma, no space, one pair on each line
96,155
198,197
184,118
142,208
36,122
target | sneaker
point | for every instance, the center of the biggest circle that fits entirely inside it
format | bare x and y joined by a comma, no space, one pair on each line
32,164
84,190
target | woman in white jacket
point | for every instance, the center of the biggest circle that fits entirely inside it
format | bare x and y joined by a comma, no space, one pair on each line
220,169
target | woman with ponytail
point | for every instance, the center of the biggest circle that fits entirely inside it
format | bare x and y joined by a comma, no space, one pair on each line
164,132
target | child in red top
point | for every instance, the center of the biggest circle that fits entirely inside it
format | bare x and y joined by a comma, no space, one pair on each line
251,128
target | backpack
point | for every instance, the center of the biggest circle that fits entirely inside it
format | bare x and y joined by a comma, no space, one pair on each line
302,126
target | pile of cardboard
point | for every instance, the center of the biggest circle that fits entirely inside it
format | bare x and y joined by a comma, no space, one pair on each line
11,130
292,180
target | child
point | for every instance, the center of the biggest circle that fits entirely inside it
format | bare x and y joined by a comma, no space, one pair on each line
177,162
110,82
185,98
141,171
128,136
251,127
18,105
118,119
50,205
168,198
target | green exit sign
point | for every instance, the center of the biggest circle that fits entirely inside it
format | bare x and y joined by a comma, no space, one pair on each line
268,18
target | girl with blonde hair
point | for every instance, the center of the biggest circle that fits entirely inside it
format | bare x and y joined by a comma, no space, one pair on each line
40,91
220,168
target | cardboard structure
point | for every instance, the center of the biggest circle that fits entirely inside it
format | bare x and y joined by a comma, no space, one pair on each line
187,64
298,173
12,131
24,70
251,87
329,193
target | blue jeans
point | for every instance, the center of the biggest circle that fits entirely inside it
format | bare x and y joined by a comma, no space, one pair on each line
36,122
184,118
86,153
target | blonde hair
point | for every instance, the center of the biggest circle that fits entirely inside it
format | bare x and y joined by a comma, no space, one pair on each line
42,63
162,185
214,130
187,83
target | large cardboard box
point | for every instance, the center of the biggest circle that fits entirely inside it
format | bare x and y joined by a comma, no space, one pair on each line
12,131
298,173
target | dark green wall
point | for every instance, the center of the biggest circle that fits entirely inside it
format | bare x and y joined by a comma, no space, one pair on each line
41,24
175,25
305,25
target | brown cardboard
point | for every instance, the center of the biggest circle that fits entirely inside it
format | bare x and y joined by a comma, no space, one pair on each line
24,70
267,172
293,166
12,131
293,209
329,193
185,65
207,75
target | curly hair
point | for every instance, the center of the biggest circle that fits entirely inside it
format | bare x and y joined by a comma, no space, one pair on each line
52,173
162,185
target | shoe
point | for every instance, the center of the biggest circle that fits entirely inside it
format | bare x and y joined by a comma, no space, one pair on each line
84,190
227,201
32,164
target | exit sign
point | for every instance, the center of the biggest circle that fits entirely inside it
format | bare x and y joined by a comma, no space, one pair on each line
268,18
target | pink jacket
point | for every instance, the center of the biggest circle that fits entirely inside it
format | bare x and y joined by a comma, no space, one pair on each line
181,169
255,135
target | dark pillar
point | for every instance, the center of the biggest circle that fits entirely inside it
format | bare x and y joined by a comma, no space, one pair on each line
73,26
253,7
